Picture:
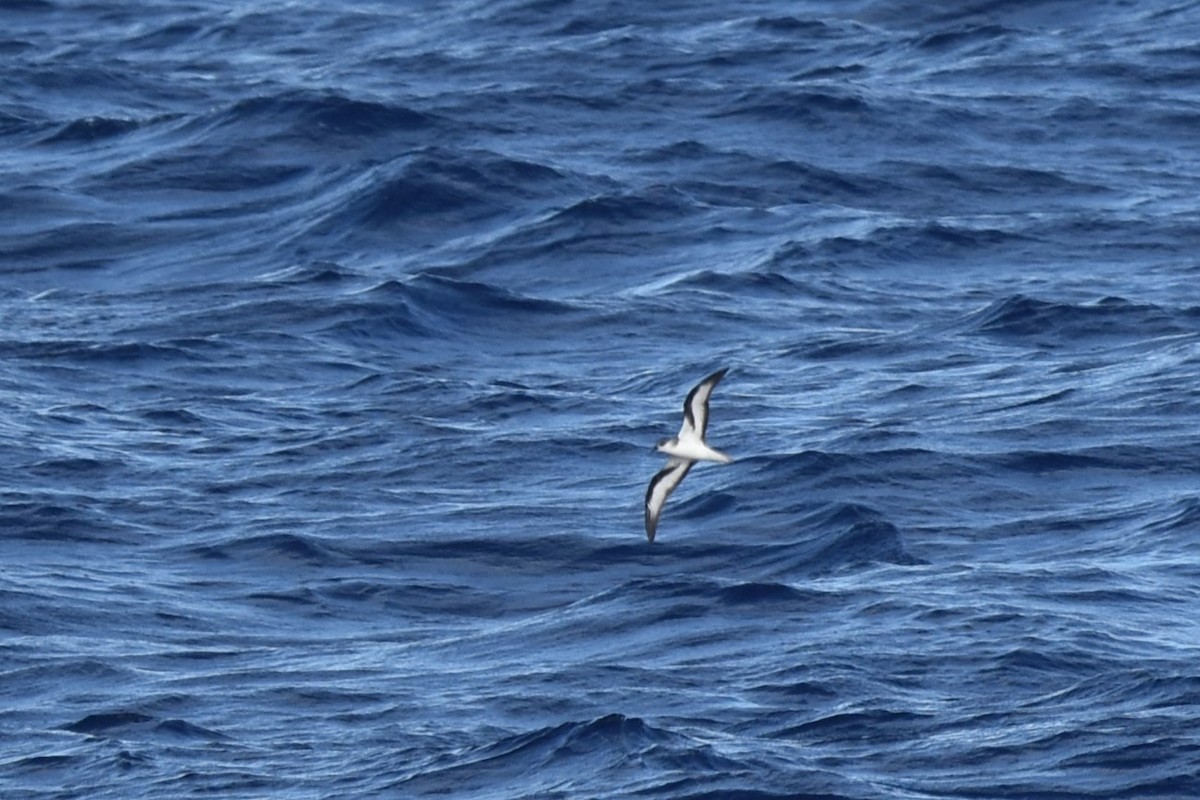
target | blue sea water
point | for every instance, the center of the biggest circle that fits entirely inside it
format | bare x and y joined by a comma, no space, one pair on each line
336,337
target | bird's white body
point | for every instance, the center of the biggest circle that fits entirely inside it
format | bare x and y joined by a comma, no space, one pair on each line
692,448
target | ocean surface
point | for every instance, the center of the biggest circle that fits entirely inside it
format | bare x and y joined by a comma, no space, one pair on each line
335,338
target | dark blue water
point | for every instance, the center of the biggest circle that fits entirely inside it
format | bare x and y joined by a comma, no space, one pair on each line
335,338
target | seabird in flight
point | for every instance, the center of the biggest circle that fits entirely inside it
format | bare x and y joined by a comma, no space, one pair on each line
684,450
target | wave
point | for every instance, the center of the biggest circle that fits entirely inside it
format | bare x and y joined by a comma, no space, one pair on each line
822,105
90,130
755,283
855,535
429,305
559,759
444,187
321,116
276,548
142,727
557,756
1182,516
1021,316
588,232
31,518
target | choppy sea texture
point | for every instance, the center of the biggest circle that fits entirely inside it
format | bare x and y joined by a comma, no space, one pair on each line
336,337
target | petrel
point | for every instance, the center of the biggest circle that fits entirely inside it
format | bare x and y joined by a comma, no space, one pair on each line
684,450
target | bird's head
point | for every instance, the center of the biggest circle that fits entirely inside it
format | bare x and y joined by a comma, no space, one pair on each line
658,448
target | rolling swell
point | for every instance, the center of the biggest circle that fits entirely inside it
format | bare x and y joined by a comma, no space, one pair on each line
336,339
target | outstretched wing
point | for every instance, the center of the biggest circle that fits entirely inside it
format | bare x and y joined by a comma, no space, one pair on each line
695,406
660,488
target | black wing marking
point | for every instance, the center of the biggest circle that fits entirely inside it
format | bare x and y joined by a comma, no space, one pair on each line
660,488
695,406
